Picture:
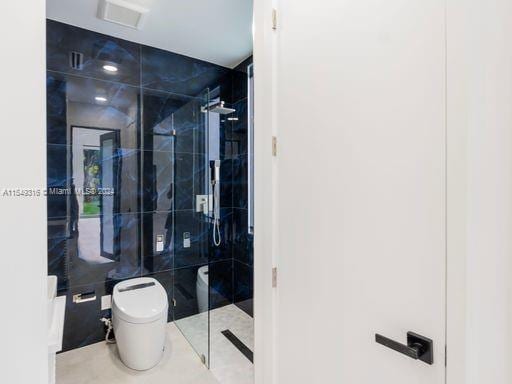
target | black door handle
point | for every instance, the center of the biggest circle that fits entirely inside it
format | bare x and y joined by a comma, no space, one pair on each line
418,347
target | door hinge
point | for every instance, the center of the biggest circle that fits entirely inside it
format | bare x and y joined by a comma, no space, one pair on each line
274,19
274,277
173,302
274,146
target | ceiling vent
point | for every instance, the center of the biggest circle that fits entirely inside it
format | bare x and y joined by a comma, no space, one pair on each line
122,12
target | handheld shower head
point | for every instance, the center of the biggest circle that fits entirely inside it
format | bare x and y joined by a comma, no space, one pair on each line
215,171
215,180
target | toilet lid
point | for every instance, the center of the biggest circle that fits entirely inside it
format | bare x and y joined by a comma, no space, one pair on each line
141,300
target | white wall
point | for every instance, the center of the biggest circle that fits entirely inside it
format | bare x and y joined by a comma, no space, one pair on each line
265,177
480,253
23,348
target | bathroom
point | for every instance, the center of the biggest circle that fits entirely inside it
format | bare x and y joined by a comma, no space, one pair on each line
256,192
150,189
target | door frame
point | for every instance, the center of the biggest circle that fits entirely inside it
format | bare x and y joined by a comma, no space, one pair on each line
265,178
117,172
117,166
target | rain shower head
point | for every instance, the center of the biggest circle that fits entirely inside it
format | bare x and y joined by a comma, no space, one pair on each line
218,108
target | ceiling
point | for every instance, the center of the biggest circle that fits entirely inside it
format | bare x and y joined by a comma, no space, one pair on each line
218,31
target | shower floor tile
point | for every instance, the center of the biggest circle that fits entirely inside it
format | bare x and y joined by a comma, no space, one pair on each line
228,364
99,364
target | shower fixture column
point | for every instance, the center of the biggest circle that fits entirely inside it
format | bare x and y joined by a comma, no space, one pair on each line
215,180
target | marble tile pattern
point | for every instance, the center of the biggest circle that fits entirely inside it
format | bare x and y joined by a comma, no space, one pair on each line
179,74
97,50
226,362
243,280
151,110
221,283
243,244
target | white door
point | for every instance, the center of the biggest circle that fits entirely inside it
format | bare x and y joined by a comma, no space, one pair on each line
361,189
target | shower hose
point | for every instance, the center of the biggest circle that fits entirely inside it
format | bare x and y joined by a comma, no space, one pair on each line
216,219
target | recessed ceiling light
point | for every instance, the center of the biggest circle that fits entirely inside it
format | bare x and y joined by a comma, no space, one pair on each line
100,98
110,68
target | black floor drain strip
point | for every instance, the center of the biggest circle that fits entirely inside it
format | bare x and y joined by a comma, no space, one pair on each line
238,344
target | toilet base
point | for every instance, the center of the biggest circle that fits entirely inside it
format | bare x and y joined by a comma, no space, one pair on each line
140,346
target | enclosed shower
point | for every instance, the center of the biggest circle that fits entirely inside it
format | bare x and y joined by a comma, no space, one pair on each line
152,153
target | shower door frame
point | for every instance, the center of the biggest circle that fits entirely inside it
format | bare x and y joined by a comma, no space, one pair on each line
204,97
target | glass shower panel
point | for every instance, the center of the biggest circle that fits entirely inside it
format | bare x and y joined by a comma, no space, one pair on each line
191,215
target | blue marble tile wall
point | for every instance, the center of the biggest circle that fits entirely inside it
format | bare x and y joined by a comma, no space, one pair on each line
140,133
243,263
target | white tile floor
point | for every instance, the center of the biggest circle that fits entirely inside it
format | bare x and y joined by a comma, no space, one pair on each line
227,363
99,364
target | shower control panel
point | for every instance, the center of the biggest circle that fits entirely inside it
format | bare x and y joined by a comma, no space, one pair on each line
204,203
159,246
186,239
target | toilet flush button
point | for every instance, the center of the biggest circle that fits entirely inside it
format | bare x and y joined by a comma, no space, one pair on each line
106,302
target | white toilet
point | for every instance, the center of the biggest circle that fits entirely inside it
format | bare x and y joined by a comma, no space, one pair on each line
202,289
139,317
